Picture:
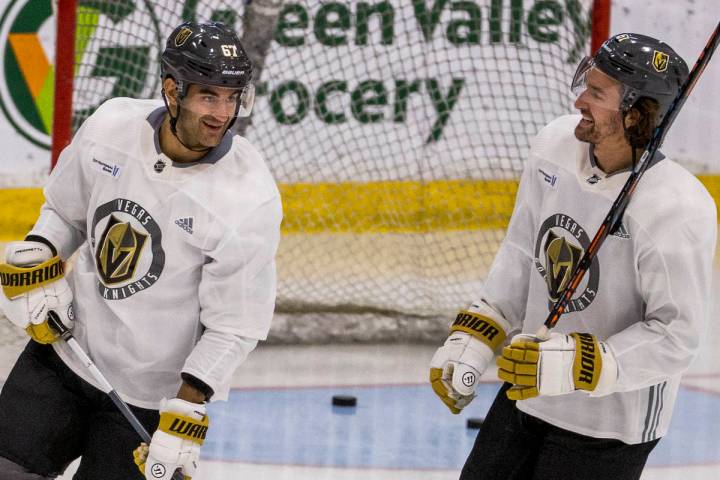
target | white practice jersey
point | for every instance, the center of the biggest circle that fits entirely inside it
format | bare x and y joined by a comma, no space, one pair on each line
176,264
647,293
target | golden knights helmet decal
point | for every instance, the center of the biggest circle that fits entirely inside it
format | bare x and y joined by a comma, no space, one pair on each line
660,61
118,251
129,257
182,36
560,244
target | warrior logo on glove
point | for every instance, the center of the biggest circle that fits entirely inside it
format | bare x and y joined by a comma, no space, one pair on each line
468,379
458,364
176,442
16,280
33,284
157,470
557,366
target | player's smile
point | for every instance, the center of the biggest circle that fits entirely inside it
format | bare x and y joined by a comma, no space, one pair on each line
587,119
214,128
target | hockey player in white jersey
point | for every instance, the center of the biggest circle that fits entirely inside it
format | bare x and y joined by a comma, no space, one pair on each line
593,400
176,223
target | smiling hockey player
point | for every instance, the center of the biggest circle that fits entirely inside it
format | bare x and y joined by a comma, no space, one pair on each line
593,400
176,224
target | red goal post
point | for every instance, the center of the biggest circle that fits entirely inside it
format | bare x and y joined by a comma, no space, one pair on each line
64,65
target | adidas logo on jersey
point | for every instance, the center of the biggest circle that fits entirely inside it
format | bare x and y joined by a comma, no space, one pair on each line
186,224
549,179
621,232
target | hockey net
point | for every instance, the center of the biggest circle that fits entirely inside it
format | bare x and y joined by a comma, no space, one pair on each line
396,130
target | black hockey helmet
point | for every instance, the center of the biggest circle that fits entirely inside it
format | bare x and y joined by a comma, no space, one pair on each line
207,54
646,67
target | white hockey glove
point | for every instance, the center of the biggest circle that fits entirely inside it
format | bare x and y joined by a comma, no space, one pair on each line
562,364
33,284
176,442
457,366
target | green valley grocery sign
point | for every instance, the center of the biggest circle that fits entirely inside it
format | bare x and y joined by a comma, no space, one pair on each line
118,46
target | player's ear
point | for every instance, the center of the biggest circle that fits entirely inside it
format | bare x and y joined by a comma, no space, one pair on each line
171,91
631,117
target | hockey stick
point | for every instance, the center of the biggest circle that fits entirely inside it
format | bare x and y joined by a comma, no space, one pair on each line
65,334
612,220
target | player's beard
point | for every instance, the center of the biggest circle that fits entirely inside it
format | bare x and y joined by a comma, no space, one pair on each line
598,131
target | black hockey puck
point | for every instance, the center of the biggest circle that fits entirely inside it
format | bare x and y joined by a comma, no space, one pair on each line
475,422
344,401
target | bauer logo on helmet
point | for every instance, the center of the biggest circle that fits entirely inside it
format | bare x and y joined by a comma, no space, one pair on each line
622,36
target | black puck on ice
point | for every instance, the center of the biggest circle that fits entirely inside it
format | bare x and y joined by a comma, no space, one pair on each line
344,401
475,422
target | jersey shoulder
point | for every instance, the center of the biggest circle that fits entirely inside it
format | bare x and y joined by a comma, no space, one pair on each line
118,122
243,184
250,167
670,191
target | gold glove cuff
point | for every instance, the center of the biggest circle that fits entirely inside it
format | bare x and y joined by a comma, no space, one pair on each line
18,280
481,327
184,427
588,361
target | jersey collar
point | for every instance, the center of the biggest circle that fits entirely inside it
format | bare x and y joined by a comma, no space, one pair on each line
155,120
653,161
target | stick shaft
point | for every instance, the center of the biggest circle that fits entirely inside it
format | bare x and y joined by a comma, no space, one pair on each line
107,388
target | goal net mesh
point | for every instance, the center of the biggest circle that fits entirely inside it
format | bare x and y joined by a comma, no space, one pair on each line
396,130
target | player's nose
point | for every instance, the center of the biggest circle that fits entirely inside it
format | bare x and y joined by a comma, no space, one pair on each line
220,115
581,102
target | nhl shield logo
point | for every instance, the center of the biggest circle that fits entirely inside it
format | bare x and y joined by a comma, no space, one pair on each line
182,36
660,61
118,251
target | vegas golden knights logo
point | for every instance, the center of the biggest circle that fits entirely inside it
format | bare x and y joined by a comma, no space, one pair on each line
182,36
118,251
559,245
660,61
561,258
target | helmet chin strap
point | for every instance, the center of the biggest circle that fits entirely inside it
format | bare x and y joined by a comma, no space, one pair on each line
173,126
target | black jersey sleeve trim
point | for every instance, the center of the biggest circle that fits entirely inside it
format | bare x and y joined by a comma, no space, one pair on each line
43,240
198,384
